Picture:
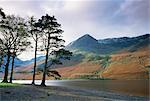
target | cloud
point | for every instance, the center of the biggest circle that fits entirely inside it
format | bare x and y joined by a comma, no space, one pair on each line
133,17
100,18
135,11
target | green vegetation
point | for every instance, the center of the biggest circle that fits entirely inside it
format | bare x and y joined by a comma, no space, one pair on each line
92,57
8,85
105,61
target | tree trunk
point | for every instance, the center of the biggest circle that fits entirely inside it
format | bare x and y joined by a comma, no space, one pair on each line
12,68
44,70
1,59
6,69
46,60
33,80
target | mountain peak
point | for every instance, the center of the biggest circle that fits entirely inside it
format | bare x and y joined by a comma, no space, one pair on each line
85,43
87,37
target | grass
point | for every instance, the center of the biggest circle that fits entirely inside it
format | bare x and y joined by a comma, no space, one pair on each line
8,85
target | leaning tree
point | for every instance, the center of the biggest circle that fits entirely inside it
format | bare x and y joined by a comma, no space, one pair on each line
52,40
55,58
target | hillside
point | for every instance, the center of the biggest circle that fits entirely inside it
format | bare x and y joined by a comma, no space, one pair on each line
116,58
128,66
127,55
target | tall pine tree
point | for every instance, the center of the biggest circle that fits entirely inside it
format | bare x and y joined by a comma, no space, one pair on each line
52,39
35,32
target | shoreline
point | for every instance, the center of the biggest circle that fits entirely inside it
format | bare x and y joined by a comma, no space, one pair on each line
27,92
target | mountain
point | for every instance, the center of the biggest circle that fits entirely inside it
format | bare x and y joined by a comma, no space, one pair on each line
85,43
108,46
88,48
19,63
32,60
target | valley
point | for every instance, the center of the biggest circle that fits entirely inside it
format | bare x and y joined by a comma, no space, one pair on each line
118,58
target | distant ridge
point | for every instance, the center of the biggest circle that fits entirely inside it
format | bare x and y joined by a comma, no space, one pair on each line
19,63
110,45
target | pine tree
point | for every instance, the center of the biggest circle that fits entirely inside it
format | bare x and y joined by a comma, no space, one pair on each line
35,33
52,39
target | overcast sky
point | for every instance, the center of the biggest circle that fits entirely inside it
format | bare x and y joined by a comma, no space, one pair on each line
99,18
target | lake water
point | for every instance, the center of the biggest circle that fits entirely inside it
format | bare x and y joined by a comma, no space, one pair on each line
131,87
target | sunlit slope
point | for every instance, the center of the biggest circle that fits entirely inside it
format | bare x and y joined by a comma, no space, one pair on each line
82,69
128,66
123,66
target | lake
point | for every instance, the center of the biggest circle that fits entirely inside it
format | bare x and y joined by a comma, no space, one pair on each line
131,87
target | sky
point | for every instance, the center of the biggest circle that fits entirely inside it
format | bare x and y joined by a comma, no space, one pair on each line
99,18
